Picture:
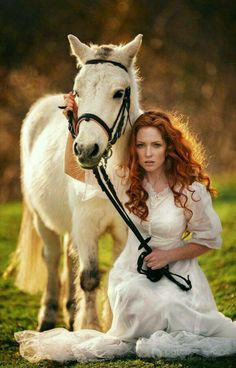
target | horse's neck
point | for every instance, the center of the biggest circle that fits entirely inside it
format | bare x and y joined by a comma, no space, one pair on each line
120,149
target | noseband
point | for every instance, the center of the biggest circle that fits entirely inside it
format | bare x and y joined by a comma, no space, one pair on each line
119,124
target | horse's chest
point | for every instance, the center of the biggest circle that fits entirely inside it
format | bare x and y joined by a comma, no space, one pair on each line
49,200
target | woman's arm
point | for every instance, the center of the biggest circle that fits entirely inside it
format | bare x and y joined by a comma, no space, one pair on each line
71,166
159,258
71,105
204,226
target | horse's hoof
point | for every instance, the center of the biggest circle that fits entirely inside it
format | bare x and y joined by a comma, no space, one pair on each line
69,312
46,325
71,326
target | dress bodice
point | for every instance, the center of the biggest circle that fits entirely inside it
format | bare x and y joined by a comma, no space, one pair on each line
166,222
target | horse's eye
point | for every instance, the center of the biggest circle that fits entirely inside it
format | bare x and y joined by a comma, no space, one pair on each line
118,94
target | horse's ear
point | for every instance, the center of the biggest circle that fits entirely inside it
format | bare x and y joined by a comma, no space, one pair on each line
79,49
130,50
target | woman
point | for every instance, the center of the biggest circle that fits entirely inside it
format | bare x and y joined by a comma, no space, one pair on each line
166,193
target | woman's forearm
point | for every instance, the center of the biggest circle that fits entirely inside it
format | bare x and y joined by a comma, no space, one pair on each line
188,251
71,167
159,258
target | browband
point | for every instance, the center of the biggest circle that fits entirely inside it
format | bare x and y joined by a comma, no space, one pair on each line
101,61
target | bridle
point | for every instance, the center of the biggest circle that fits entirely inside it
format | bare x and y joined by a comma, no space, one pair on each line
119,126
106,185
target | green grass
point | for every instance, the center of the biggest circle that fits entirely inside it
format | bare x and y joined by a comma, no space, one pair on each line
18,311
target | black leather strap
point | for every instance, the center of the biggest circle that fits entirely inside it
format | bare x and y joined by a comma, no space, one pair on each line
118,126
111,194
101,61
153,275
88,116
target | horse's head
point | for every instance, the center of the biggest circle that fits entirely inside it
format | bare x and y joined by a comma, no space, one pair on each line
102,88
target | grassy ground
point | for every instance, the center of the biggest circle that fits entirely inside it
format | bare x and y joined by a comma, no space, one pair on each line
18,311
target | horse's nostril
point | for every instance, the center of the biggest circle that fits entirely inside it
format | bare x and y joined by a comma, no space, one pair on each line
95,150
76,149
86,152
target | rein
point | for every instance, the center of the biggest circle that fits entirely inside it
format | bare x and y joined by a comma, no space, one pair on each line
107,186
153,275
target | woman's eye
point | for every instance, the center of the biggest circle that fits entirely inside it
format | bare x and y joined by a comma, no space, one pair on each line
157,144
118,94
139,145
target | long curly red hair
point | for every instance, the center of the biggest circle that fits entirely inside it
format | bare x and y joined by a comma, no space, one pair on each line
184,162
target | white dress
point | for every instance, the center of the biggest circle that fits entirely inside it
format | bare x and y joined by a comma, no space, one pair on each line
151,319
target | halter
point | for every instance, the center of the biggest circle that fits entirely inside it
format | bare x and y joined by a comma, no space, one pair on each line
119,124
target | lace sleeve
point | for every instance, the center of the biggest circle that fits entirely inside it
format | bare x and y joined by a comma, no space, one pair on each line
204,223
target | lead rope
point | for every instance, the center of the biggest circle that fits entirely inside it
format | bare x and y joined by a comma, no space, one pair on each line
153,275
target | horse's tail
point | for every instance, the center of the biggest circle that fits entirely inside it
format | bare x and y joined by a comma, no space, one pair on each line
28,260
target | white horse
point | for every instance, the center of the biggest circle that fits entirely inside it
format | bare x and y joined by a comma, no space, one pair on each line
52,200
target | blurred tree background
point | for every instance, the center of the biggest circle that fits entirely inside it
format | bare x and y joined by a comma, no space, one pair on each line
187,63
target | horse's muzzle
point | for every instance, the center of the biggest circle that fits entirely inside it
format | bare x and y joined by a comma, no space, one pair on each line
88,156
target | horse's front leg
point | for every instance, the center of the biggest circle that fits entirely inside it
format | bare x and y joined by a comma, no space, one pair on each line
86,236
51,252
71,268
88,278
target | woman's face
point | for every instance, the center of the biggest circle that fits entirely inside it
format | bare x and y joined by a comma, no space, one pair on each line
151,149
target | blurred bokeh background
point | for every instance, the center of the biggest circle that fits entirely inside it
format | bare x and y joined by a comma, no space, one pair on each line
187,63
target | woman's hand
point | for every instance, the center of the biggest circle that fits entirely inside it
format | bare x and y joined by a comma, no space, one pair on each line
158,258
71,105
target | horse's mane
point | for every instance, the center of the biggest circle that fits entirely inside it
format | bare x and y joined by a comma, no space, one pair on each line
109,46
